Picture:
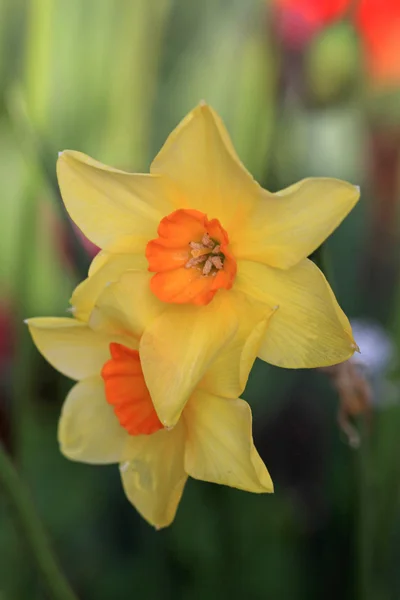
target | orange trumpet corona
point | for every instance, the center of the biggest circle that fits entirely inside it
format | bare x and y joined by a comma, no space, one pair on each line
190,258
127,392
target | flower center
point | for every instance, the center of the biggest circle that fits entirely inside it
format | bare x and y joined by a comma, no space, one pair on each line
127,392
191,258
206,253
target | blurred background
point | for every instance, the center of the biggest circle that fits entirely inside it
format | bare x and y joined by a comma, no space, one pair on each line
306,88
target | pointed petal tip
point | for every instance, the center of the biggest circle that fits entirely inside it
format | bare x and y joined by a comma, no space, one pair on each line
159,527
124,466
357,192
62,155
202,108
170,423
63,159
269,489
34,321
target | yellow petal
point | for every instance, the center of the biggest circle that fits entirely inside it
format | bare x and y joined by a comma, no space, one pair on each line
205,173
154,477
108,204
107,268
219,446
288,226
70,346
127,306
179,346
309,329
88,430
227,376
98,262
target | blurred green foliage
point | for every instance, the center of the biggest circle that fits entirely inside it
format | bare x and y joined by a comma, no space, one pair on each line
112,78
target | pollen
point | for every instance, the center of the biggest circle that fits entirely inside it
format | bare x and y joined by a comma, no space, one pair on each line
206,255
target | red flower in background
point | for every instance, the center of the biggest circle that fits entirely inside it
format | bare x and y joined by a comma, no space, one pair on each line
377,23
297,21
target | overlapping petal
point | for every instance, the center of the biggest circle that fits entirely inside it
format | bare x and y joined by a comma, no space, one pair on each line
309,329
108,204
154,477
219,446
71,346
288,226
199,160
127,306
88,429
179,346
227,375
107,268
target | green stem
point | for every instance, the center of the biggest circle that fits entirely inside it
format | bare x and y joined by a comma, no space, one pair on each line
363,515
30,525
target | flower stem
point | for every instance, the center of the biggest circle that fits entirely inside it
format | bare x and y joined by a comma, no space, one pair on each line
363,516
32,529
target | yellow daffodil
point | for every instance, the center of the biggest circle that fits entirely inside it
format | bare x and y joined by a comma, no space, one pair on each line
199,231
109,417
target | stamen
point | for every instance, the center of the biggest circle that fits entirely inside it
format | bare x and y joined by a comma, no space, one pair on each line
217,262
196,245
208,252
196,260
207,267
207,241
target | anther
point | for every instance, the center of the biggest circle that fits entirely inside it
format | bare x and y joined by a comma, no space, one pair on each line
217,262
206,253
207,241
197,260
207,267
196,245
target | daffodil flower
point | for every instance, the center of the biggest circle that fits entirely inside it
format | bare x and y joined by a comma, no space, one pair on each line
200,231
109,416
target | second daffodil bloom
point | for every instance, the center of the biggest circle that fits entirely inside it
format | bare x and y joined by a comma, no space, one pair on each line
200,231
109,417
